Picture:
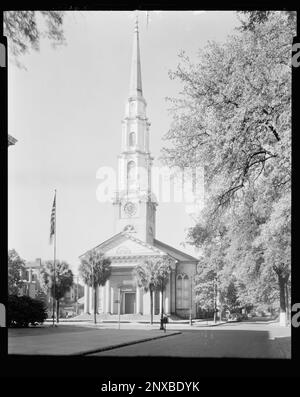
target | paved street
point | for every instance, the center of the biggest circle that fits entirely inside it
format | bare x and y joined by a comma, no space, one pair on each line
229,340
250,340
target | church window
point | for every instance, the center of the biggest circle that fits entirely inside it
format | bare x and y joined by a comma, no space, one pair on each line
179,291
185,292
182,292
132,139
130,172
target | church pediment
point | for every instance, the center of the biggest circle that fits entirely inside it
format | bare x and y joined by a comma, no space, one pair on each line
124,245
129,247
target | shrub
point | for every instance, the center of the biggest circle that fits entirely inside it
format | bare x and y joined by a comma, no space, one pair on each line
23,310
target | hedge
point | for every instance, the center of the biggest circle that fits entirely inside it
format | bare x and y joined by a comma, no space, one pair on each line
23,310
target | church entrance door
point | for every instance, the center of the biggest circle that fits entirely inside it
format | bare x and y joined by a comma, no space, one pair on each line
129,302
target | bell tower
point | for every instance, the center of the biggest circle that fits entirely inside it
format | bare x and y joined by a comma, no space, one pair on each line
134,205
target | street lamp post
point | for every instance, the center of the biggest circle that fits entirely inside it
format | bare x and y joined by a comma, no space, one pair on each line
191,304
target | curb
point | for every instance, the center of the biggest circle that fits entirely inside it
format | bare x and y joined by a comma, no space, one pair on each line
215,325
99,350
114,321
200,325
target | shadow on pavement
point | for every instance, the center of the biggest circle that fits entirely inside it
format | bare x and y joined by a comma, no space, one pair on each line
212,343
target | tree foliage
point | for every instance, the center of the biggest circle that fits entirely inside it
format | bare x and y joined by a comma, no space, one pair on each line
94,270
23,310
233,117
63,280
205,287
153,275
24,30
16,272
255,17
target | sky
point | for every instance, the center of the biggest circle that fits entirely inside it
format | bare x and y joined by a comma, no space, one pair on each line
65,109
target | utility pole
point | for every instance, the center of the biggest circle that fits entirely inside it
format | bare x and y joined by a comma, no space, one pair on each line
53,233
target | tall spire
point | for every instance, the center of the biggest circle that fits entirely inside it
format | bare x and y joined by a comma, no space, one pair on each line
136,75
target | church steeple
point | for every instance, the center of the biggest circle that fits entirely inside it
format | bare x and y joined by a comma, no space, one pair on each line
135,210
136,73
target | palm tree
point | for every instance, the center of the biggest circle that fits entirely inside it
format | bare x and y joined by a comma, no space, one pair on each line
162,276
94,271
63,281
152,275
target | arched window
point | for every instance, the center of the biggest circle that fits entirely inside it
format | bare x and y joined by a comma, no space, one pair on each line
130,173
182,292
132,139
179,291
185,292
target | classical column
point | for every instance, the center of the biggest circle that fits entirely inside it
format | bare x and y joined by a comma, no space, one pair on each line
86,299
168,298
30,275
107,297
112,298
146,303
154,302
138,299
97,298
160,302
102,298
91,299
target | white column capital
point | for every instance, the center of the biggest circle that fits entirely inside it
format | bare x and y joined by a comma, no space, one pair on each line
86,299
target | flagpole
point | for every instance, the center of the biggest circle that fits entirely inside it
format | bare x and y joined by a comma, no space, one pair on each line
54,260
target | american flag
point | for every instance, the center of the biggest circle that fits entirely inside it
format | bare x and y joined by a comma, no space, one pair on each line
52,221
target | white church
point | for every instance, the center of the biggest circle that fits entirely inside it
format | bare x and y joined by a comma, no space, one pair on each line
135,216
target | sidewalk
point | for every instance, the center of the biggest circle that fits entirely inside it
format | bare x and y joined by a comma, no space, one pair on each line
134,319
75,340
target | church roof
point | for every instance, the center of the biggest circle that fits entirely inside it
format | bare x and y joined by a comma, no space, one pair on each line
124,236
158,248
175,253
33,264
